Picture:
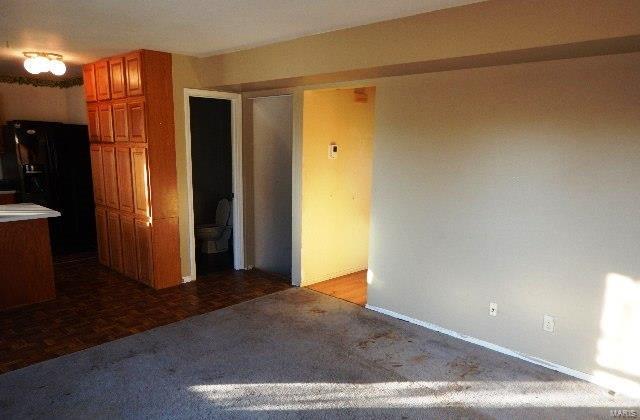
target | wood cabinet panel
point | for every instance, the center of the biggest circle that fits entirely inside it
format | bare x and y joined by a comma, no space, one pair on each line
116,73
120,124
140,181
136,114
144,251
89,81
106,123
133,63
125,178
110,176
93,117
129,253
102,235
103,91
96,174
115,240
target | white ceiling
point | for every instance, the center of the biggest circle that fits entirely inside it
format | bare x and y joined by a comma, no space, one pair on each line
85,30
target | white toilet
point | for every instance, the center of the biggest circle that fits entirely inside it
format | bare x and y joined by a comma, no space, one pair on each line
215,238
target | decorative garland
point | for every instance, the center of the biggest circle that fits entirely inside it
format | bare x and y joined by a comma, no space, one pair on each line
62,84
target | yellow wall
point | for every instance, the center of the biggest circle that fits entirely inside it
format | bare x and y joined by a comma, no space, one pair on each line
336,193
184,76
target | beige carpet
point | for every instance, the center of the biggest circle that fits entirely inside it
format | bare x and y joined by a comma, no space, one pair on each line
296,354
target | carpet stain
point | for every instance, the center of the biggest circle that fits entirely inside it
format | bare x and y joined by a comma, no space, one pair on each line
419,358
390,335
317,311
463,367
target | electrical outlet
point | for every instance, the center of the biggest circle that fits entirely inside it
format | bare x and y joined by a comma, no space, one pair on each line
493,309
548,323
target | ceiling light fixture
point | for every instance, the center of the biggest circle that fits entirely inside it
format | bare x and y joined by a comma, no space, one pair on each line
37,62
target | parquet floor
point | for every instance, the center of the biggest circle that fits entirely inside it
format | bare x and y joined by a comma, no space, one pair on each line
352,287
95,305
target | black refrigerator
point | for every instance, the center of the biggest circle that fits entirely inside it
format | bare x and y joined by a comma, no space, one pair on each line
49,164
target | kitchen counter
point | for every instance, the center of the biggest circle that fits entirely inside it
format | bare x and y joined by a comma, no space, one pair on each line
26,265
25,211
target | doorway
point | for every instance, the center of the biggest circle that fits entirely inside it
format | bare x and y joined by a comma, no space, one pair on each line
337,165
214,176
272,191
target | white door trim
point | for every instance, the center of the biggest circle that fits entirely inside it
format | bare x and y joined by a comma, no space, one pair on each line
237,185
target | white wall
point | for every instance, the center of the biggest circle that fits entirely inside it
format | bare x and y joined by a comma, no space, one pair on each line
336,194
518,185
272,183
26,102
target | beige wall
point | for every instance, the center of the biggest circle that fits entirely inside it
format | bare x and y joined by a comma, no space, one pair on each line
472,31
518,185
336,193
26,102
184,76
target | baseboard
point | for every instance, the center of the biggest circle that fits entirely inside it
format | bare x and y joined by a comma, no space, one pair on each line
537,361
334,275
187,279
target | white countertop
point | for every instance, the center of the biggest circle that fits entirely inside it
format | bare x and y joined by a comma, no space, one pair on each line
25,211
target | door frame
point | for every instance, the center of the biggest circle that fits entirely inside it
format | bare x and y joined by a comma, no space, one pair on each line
236,175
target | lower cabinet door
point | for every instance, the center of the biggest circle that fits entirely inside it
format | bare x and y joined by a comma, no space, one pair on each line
102,236
129,254
143,248
115,240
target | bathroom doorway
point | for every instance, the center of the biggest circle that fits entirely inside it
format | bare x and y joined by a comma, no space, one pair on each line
213,162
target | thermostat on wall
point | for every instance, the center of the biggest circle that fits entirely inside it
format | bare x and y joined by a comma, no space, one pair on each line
333,151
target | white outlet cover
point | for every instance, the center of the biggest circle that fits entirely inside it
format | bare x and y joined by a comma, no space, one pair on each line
493,309
548,323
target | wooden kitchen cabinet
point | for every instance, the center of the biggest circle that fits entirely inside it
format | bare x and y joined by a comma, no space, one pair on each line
133,165
137,120
115,240
129,249
96,174
109,174
125,179
93,119
102,235
143,246
120,125
106,122
89,80
116,73
103,90
140,183
134,74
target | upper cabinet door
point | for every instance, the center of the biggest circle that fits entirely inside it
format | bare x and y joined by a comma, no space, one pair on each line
89,79
103,90
133,64
110,176
120,125
106,123
96,174
116,71
93,117
137,120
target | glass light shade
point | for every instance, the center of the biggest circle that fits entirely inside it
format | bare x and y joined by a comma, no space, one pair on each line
41,64
57,67
30,65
